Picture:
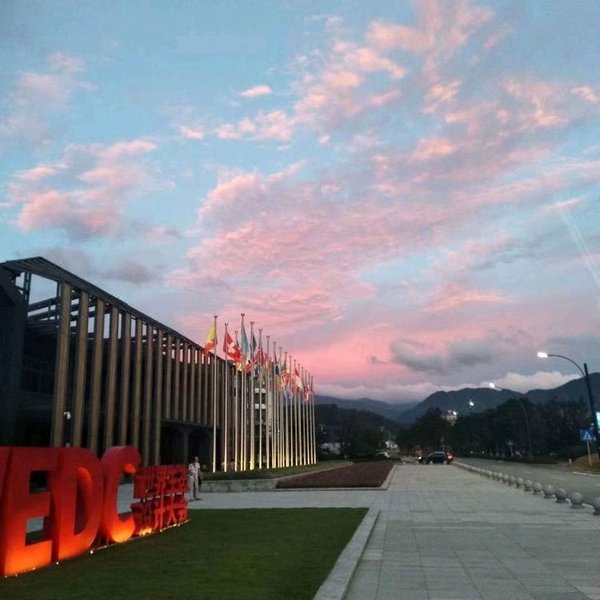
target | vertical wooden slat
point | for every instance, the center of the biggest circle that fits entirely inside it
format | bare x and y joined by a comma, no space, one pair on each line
137,384
125,378
147,396
198,397
184,382
168,376
158,387
111,378
176,380
80,367
192,395
96,377
61,367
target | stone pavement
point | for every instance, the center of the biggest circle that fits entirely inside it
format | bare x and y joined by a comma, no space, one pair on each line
442,533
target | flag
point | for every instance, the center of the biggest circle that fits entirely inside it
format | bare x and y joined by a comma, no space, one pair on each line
231,349
211,340
297,380
244,342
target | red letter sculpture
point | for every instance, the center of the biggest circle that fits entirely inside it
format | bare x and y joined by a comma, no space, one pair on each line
116,461
19,505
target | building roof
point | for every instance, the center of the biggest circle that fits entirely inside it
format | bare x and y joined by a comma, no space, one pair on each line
44,268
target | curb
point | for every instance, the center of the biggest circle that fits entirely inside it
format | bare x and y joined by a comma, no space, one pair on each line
338,581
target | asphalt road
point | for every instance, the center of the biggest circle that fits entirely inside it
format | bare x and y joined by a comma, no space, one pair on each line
561,475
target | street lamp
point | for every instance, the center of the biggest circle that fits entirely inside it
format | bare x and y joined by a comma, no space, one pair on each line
584,372
495,387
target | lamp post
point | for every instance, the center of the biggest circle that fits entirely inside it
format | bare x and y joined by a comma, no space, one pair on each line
586,376
529,446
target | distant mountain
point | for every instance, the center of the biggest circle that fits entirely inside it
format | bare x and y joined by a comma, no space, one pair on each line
458,400
572,390
385,409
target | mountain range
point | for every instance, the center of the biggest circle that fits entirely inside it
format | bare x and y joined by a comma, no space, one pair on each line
465,400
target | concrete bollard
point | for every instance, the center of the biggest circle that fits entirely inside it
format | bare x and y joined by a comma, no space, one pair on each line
576,500
505,477
537,487
528,485
548,491
520,482
596,505
561,495
512,480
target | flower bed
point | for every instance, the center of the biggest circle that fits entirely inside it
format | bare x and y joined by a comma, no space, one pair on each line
366,474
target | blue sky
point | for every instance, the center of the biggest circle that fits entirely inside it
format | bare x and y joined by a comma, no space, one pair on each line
403,195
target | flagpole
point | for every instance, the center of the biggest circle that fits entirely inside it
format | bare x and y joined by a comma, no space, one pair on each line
244,415
260,402
236,416
280,402
225,409
252,401
267,378
314,429
295,416
275,398
214,399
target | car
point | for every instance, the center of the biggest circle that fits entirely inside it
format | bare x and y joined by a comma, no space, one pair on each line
439,456
383,454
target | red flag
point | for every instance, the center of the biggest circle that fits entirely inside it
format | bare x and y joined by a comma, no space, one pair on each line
231,349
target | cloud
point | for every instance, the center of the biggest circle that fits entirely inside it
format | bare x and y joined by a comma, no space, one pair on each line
256,91
85,193
274,125
191,133
542,380
36,95
458,354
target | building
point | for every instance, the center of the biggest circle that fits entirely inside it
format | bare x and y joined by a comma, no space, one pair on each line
81,367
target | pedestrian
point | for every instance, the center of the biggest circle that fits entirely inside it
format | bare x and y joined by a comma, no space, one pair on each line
195,478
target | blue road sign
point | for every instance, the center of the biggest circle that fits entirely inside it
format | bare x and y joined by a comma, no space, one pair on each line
586,435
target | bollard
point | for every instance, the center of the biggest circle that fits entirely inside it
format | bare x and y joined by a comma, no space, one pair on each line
548,491
528,485
561,495
520,482
596,505
576,500
505,478
537,487
512,480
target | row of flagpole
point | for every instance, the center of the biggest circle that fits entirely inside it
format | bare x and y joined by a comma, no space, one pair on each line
284,416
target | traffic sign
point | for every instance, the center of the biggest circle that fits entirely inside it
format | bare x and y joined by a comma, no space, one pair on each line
586,435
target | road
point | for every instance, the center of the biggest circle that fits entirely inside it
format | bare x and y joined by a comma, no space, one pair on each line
560,475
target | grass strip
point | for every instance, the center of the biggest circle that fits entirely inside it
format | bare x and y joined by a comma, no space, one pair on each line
271,473
220,554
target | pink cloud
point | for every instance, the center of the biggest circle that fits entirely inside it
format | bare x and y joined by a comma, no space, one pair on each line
111,176
256,91
191,133
274,125
36,94
429,149
453,296
587,93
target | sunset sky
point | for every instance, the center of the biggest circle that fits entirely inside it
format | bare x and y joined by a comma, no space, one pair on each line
405,196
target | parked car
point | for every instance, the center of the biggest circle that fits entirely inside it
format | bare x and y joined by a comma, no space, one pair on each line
439,456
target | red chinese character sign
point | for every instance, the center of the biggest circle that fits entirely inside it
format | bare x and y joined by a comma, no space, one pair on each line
79,506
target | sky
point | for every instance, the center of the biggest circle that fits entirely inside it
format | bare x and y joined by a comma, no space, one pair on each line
403,196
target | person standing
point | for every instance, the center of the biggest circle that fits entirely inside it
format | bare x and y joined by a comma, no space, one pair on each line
195,478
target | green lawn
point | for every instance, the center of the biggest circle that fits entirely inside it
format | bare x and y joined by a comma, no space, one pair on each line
219,554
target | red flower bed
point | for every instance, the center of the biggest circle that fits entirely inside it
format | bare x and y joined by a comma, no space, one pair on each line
368,474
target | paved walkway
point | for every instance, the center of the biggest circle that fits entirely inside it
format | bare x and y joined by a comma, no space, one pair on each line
442,533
